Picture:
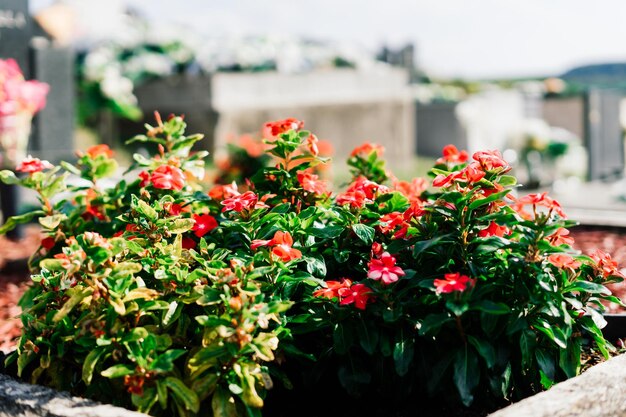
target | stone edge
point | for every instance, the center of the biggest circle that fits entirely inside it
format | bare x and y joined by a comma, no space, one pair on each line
22,399
598,392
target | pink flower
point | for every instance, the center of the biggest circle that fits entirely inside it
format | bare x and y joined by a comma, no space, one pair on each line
281,244
241,202
453,282
167,177
357,294
561,237
32,165
311,144
491,161
311,183
204,224
538,200
563,261
605,264
223,191
384,269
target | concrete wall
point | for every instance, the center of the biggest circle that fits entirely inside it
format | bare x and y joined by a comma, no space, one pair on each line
345,107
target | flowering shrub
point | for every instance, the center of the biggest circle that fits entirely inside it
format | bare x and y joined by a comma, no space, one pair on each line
189,297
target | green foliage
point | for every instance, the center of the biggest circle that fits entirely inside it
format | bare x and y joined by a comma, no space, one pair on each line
162,295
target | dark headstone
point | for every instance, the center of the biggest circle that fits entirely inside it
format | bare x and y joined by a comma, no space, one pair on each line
604,137
15,31
53,127
436,126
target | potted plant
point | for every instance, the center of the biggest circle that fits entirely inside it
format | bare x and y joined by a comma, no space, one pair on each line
164,295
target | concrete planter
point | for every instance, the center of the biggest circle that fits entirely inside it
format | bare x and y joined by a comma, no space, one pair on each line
598,392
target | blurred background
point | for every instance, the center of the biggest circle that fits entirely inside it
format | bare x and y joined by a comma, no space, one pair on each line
543,82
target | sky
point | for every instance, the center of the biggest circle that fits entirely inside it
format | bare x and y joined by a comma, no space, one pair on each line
474,39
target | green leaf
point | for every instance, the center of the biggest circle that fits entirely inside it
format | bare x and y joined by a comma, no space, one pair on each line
316,267
8,177
161,393
485,349
569,358
180,225
183,393
493,197
466,374
403,355
13,221
326,232
527,345
546,363
431,325
165,361
70,168
364,232
342,338
76,295
90,364
587,287
222,404
507,180
368,335
126,268
117,371
144,208
491,307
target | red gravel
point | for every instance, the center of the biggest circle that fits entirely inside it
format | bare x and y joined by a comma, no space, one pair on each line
14,279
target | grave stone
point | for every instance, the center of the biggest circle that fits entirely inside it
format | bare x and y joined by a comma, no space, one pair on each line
604,137
53,127
15,32
438,125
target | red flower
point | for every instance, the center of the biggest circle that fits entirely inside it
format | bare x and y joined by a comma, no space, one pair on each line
241,202
332,288
384,269
377,249
311,183
101,149
494,230
30,164
48,243
356,199
357,294
167,177
563,261
451,154
273,129
145,178
366,149
188,243
453,282
204,224
411,190
390,221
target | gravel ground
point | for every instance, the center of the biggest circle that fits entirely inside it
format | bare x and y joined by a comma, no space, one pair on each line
14,279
